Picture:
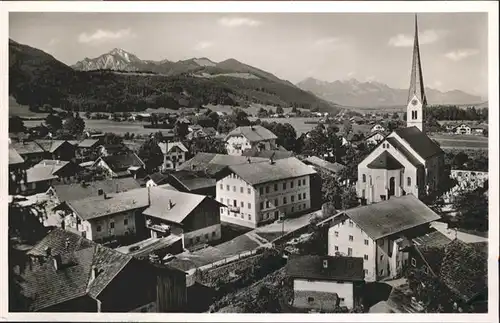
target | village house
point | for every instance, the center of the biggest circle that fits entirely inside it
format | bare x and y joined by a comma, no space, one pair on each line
258,192
277,153
407,161
174,154
108,149
58,149
202,132
68,273
377,128
374,138
210,163
193,217
323,283
156,179
378,233
243,138
462,129
193,182
40,177
30,151
122,165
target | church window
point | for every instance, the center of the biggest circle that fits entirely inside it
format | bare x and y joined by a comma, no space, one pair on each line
408,181
414,115
364,178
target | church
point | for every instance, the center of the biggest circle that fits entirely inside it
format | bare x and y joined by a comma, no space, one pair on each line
406,161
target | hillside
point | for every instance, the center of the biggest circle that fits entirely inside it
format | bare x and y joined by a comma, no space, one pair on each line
37,78
374,94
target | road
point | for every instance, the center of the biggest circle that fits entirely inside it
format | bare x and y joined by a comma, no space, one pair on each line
462,236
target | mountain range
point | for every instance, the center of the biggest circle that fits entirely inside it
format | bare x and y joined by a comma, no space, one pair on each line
120,81
375,94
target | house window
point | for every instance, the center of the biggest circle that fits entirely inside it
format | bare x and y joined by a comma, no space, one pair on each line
381,272
299,182
267,189
363,193
214,234
228,188
275,187
112,225
351,223
221,186
241,189
261,190
366,257
413,262
351,238
125,222
381,257
275,202
221,210
284,186
284,200
304,182
206,236
366,242
99,228
228,202
364,178
249,216
336,233
198,239
267,204
261,205
292,198
235,203
293,209
249,191
234,188
242,215
349,252
291,184
242,204
336,248
304,195
249,206
299,197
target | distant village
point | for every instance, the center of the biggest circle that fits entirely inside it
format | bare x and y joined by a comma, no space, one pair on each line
245,216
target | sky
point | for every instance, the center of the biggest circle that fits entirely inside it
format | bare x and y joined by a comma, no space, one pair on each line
293,46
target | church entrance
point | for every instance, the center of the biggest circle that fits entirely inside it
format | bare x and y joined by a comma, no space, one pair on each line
392,186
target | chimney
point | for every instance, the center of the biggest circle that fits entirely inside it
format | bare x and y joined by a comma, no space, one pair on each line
100,192
57,262
93,273
170,204
66,244
325,263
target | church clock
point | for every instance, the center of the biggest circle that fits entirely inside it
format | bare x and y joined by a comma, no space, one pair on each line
414,102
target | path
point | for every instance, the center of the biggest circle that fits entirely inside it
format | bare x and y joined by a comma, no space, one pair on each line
462,236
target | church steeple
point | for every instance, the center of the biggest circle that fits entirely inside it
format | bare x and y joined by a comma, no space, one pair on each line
416,94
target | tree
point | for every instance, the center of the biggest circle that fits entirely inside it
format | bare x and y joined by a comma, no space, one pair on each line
151,154
347,127
207,145
317,143
240,118
181,130
88,114
287,137
279,110
74,125
472,209
53,122
215,118
262,113
16,124
349,198
395,115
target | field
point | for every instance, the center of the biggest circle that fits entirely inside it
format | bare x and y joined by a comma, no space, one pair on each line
450,141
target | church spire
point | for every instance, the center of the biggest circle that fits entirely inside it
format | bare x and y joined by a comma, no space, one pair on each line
416,79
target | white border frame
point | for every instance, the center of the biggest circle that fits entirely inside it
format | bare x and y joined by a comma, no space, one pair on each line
491,7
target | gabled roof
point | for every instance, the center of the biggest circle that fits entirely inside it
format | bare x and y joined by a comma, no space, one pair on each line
333,167
182,205
166,147
374,134
395,215
79,191
265,171
14,157
431,246
158,178
405,152
44,170
193,180
122,162
252,133
211,164
385,161
46,286
51,145
338,268
88,143
419,141
464,270
27,147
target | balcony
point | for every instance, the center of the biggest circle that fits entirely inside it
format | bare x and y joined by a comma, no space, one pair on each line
234,209
164,228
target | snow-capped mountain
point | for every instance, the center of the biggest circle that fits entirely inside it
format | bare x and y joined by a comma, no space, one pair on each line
375,94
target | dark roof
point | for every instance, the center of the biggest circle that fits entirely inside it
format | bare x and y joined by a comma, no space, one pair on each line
385,161
339,268
464,270
405,152
431,246
87,143
193,180
158,178
395,215
52,145
211,164
78,191
122,162
252,133
419,141
275,153
332,167
46,286
27,147
263,172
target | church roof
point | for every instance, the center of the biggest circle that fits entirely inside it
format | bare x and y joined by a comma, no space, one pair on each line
417,79
419,141
405,152
385,161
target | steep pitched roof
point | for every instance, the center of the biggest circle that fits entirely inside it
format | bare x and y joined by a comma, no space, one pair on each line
88,143
166,147
192,180
46,286
338,268
211,163
333,167
395,215
416,79
122,162
252,133
182,205
419,141
431,246
27,147
405,152
78,191
51,145
464,270
385,161
158,178
14,157
264,172
45,170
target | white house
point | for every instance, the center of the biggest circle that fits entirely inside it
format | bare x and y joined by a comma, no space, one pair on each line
463,129
323,283
374,138
378,233
174,154
260,192
377,127
251,137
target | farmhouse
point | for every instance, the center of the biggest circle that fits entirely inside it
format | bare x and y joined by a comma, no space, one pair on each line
174,154
243,138
121,165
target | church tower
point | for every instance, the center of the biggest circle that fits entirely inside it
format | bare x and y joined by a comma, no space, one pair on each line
417,100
